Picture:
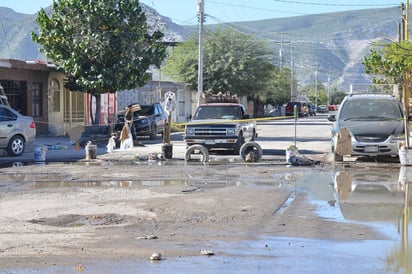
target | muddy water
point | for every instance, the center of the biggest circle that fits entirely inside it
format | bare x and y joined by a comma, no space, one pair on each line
378,197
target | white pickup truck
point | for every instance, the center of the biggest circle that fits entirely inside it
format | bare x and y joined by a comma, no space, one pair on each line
220,126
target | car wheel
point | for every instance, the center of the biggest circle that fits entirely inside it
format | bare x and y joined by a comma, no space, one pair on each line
16,146
153,133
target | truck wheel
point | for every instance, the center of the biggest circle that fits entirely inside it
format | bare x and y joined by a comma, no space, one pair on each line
254,135
239,143
198,152
251,152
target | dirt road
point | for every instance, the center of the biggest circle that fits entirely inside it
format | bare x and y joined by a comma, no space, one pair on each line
63,215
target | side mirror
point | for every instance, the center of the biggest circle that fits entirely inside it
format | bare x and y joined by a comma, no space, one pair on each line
332,118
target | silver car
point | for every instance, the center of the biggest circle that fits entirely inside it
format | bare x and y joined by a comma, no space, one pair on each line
375,124
16,131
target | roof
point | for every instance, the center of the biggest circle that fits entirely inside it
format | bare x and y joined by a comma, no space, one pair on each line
221,104
371,95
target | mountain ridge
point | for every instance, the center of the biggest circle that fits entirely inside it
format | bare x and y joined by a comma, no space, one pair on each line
326,47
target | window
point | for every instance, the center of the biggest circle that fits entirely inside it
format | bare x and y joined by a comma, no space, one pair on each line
55,94
6,115
36,94
74,107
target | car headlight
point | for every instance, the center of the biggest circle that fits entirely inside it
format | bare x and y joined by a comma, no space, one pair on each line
396,138
144,121
230,131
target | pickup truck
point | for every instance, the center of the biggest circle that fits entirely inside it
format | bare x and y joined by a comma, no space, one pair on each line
220,126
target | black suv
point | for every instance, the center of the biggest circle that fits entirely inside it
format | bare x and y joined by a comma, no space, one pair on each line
150,120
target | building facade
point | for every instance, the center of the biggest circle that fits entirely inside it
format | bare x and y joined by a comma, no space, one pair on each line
37,89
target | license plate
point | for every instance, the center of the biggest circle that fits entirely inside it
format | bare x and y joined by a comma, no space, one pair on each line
210,142
371,149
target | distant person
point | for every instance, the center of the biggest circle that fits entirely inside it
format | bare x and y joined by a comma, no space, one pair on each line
126,137
128,118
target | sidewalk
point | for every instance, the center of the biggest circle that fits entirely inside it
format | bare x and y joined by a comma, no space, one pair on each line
61,149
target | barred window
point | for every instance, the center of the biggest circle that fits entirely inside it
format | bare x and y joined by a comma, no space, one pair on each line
36,93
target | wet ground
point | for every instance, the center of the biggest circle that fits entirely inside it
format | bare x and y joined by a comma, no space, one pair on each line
369,195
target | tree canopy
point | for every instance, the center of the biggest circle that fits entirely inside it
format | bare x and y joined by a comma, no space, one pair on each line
102,45
389,61
234,63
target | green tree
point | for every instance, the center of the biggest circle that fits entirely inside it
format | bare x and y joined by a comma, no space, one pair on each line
318,97
233,63
337,97
277,91
102,45
388,62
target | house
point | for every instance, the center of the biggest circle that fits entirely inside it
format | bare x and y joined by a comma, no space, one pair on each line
37,89
154,91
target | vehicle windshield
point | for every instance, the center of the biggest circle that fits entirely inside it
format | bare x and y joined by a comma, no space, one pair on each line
370,109
145,111
217,112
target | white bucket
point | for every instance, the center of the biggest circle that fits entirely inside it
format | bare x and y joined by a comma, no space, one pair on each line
290,153
405,157
40,154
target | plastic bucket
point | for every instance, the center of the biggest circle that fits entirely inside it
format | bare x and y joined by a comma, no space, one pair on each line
167,151
290,153
91,151
40,154
405,157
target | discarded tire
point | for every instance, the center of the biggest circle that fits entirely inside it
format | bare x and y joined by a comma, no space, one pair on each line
251,152
197,153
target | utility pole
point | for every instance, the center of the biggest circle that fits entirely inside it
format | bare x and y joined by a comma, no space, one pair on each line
407,89
316,86
281,58
291,73
201,12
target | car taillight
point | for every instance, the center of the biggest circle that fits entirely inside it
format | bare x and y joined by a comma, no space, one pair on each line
33,124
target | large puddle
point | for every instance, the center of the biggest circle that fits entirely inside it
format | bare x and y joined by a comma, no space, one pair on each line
374,196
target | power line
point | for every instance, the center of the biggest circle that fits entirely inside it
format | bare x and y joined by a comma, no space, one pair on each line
335,5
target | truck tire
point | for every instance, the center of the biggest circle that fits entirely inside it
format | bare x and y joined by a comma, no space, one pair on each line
198,150
251,152
239,143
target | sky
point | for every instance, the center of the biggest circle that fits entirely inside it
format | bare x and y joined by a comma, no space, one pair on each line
184,12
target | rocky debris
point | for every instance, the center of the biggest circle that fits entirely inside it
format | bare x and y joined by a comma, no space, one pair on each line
156,256
149,237
207,252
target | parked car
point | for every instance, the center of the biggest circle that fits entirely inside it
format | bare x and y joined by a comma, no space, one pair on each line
322,109
150,120
374,122
290,108
311,110
332,108
16,131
